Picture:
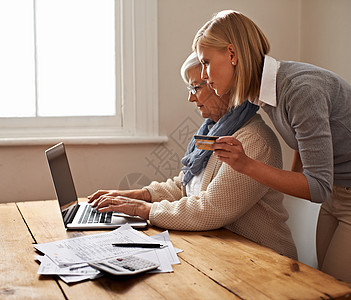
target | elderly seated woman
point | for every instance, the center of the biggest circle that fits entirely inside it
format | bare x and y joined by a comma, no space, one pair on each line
209,194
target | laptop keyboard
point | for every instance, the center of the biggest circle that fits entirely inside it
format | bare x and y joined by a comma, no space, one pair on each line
91,215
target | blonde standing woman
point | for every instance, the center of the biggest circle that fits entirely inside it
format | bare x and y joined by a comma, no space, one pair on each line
311,109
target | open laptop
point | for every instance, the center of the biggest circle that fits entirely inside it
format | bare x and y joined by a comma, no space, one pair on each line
80,215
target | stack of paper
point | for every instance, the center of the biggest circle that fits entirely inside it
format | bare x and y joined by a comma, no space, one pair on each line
69,258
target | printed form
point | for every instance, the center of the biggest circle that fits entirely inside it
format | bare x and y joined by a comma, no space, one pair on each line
68,258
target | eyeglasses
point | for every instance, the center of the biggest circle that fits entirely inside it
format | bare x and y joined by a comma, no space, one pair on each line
193,89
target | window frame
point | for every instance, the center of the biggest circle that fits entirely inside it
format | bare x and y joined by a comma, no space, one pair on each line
136,92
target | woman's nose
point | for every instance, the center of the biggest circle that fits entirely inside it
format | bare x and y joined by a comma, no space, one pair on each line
191,97
204,75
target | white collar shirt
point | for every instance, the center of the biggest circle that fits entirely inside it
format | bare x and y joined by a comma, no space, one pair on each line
268,92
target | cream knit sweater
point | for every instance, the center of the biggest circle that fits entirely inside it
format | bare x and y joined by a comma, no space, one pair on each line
230,199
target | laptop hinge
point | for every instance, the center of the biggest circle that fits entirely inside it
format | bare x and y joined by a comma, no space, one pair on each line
71,214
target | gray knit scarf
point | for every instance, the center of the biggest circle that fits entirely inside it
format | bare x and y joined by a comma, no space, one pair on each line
195,160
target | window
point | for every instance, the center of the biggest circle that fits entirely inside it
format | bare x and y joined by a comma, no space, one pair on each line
78,70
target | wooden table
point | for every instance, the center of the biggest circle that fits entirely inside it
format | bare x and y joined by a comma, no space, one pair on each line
214,265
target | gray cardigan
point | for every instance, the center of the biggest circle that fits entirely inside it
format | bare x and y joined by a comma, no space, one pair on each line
313,115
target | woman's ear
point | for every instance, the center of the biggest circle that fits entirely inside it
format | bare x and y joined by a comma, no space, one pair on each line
232,53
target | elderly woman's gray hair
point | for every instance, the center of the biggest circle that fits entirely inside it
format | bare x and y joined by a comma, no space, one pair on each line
191,62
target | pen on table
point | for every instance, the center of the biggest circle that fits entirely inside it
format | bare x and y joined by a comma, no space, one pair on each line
140,245
79,267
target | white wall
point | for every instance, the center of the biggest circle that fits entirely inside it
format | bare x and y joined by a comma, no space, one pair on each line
326,35
315,31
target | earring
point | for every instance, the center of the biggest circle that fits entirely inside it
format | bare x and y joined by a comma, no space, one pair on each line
233,63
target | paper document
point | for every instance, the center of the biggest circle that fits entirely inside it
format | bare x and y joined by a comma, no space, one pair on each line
68,258
93,247
48,267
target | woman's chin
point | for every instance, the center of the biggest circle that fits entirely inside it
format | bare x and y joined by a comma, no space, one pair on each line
218,92
204,115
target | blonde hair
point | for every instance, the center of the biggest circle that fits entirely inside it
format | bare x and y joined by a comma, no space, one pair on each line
250,44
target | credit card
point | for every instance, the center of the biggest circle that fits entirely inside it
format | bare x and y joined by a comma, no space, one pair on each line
204,142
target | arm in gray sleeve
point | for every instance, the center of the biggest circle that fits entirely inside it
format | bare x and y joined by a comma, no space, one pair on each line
308,112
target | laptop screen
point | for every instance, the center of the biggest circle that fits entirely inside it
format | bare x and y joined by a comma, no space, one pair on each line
61,176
